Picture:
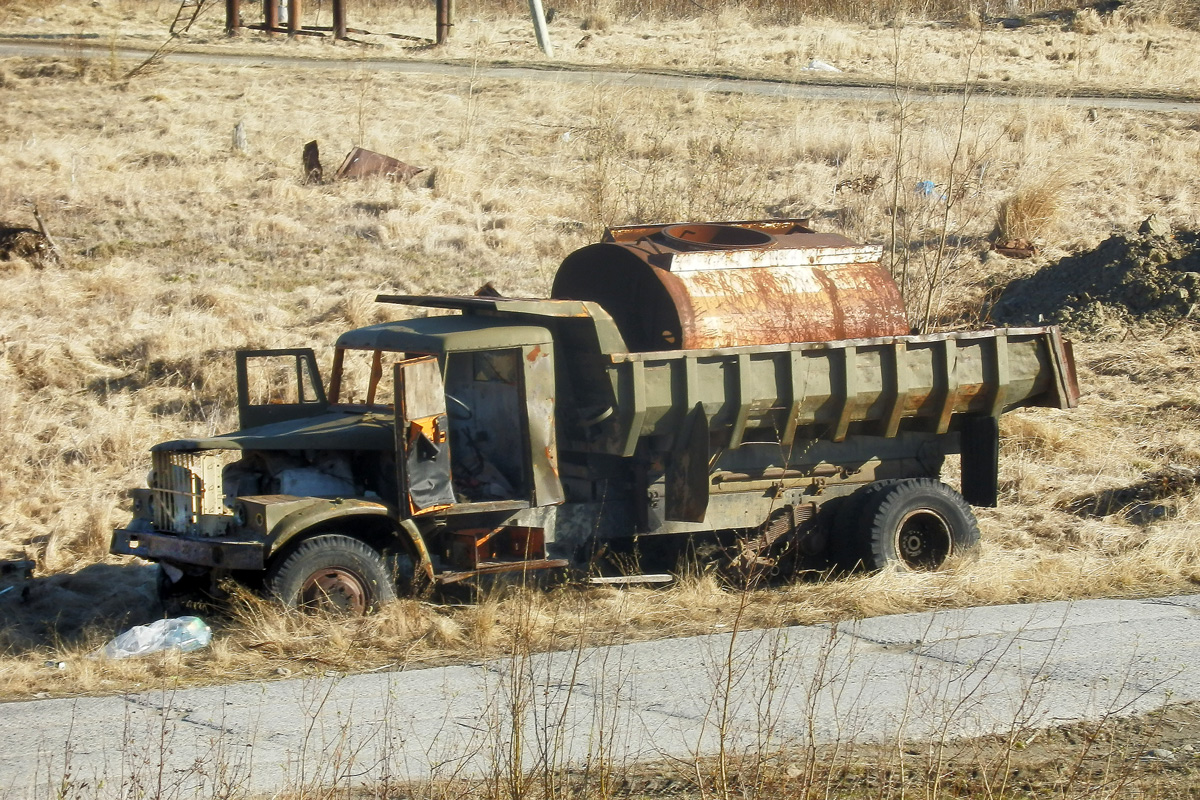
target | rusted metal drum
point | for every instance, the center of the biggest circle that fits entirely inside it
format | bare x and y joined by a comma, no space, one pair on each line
708,285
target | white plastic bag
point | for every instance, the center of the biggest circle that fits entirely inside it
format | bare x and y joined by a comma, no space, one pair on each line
182,633
817,65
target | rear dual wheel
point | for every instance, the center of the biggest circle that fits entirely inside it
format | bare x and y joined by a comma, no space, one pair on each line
910,525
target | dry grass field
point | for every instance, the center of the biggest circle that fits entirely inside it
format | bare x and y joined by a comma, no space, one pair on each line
1024,45
179,248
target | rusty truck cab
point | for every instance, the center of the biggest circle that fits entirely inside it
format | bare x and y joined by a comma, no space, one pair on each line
474,402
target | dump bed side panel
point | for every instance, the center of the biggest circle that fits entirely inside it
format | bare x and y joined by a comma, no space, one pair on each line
828,390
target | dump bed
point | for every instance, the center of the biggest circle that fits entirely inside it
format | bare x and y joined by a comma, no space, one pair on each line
828,390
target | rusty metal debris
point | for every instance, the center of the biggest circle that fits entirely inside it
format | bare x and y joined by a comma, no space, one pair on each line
361,163
863,184
1016,248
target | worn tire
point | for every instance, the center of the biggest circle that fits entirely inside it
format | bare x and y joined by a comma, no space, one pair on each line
845,545
332,572
911,525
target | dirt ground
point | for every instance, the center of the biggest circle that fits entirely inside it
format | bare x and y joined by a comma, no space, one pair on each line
1148,276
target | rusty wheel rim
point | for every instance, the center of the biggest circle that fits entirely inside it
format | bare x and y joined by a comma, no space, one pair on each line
923,540
335,589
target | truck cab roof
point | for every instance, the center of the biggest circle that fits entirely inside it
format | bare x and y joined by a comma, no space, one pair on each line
484,323
441,335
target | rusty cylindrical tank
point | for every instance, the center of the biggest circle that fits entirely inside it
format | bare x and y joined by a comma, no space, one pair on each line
708,285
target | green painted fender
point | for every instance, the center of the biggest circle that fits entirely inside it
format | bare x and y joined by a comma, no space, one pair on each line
319,512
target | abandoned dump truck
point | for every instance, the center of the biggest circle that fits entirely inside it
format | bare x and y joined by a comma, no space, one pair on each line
750,388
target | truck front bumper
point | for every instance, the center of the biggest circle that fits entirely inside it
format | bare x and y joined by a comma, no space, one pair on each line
247,554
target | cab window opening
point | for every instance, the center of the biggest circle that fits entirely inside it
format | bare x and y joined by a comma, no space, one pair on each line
363,377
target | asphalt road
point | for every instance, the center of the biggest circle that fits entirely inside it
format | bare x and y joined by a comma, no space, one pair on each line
73,48
961,673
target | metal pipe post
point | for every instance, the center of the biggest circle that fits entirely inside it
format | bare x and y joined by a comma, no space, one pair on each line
539,26
293,17
443,21
271,14
339,19
233,16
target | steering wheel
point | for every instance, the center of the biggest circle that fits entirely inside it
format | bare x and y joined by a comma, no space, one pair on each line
457,409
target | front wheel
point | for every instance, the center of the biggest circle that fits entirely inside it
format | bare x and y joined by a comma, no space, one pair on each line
333,573
912,525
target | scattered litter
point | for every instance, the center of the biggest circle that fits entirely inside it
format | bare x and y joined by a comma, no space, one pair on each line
816,65
362,163
6,590
1157,754
283,671
928,189
58,665
182,633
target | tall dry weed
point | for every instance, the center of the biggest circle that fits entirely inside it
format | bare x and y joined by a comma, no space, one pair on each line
1030,212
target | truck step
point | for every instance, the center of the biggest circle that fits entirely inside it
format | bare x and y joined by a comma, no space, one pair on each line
631,580
494,567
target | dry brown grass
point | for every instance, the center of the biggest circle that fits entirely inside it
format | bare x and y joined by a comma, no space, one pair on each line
1029,212
179,250
1135,49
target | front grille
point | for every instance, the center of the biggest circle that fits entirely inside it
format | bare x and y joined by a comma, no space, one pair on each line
186,486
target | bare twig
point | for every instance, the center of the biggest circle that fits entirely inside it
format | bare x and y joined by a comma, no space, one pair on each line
55,250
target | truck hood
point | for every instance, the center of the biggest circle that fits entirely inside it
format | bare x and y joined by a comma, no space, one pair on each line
333,430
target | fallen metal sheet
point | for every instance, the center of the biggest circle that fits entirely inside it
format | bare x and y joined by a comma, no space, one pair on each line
361,163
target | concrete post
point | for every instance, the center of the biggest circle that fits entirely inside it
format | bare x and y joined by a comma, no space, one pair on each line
539,26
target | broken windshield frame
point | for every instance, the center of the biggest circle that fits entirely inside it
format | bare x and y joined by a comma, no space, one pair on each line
348,374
